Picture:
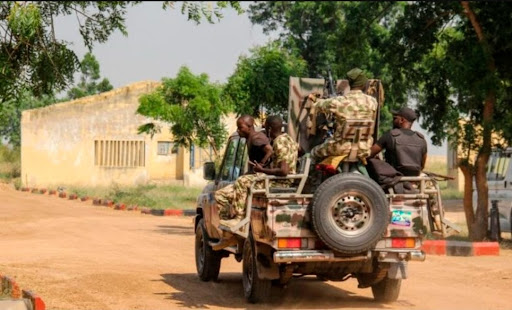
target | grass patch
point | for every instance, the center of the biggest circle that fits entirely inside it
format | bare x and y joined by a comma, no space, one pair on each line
439,167
10,163
436,166
451,193
151,196
506,244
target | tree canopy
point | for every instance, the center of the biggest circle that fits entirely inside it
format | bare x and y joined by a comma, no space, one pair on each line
191,105
260,81
10,114
339,35
451,57
89,84
31,57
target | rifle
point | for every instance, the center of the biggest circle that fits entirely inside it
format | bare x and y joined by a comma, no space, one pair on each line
326,121
438,177
331,89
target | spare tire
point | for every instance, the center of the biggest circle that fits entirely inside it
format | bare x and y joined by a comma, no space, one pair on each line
350,213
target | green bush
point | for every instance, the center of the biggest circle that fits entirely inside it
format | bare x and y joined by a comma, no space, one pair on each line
10,163
17,183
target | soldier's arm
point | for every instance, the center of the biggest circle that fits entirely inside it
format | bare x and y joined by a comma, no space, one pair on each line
268,152
424,158
323,105
374,150
281,170
382,143
320,105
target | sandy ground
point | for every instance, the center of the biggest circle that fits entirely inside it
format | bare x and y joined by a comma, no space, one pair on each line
79,256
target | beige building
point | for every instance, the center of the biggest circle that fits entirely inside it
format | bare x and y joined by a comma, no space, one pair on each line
93,141
455,153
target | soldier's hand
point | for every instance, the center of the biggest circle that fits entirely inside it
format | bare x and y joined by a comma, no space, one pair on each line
257,167
314,96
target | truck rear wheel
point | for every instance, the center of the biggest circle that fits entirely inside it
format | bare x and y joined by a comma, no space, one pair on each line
207,260
255,289
350,213
387,290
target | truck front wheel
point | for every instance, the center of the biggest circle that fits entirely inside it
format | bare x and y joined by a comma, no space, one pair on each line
207,260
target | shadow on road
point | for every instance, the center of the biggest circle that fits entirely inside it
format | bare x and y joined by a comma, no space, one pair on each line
176,230
303,293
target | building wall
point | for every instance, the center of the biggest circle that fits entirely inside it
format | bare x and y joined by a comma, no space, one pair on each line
456,153
60,143
93,141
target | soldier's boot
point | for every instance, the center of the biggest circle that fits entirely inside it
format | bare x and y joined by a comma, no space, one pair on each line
228,239
230,223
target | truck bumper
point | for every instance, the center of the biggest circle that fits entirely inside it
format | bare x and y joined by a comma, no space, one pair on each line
328,256
392,255
314,256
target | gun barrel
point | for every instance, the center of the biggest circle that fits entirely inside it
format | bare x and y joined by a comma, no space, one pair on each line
332,87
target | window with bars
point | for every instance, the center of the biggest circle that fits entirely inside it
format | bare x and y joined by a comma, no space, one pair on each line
119,153
167,148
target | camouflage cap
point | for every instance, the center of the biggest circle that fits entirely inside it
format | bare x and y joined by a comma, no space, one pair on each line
356,78
406,113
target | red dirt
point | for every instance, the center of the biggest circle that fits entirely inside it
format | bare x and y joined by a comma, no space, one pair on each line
79,256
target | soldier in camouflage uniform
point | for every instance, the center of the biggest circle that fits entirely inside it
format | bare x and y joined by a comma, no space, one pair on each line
284,162
354,105
259,150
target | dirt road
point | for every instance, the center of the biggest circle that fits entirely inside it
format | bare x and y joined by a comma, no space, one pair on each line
79,256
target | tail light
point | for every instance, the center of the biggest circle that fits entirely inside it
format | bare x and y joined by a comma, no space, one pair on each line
401,243
292,243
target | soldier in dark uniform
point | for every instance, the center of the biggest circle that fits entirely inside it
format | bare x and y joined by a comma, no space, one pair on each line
258,144
406,149
259,150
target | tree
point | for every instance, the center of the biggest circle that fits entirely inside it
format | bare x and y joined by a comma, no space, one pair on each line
191,105
88,84
31,57
10,114
261,80
340,35
455,55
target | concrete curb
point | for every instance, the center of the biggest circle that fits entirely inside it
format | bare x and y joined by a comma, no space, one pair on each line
460,248
12,296
111,204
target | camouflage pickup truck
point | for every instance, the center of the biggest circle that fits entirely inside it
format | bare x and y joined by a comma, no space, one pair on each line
335,222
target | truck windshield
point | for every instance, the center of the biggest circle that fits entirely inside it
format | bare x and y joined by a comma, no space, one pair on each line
498,165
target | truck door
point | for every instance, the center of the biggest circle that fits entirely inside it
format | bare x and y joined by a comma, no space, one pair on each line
499,175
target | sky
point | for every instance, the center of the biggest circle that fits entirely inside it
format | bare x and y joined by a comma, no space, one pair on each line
160,41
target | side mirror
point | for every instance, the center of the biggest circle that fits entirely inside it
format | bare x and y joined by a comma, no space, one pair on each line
209,171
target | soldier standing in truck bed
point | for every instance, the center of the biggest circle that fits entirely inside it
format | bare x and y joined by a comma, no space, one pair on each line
354,105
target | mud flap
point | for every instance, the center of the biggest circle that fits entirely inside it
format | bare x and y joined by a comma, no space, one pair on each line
267,269
398,270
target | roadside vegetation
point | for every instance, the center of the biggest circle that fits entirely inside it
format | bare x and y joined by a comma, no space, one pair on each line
439,167
154,196
151,196
10,165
